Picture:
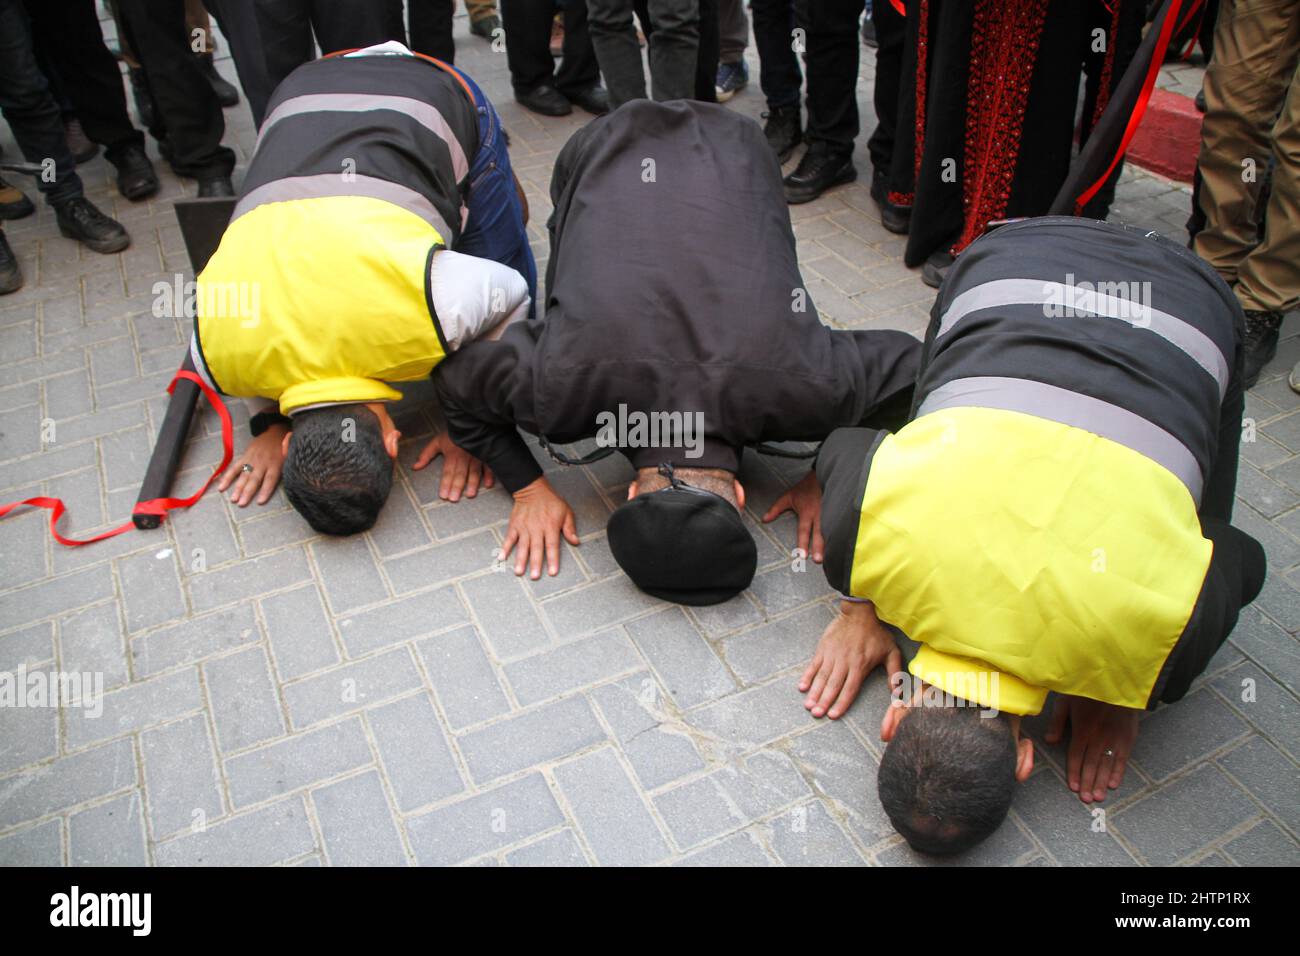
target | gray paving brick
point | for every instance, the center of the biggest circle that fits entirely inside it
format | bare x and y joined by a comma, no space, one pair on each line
587,661
449,519
505,614
485,822
782,588
401,620
55,596
297,761
245,707
1007,846
1273,710
262,532
596,606
41,845
442,562
618,827
24,560
27,734
731,797
255,576
350,687
399,527
634,710
739,849
715,619
151,591
1264,845
1268,646
91,641
844,771
558,849
691,672
535,736
806,835
1262,493
1070,830
414,752
759,653
194,639
180,774
28,645
204,537
356,823
135,707
265,836
1183,816
299,633
1176,736
349,573
111,834
754,717
1270,777
67,782
463,677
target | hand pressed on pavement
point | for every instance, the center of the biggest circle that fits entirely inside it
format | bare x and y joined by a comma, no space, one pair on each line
1101,739
537,520
264,457
805,500
852,646
462,473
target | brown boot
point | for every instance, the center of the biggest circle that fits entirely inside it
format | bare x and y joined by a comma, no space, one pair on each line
13,204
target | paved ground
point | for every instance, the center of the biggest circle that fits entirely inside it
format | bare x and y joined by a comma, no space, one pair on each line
273,697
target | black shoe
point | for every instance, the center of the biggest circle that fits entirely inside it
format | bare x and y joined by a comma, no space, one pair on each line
936,268
487,27
897,219
819,170
869,33
79,145
143,97
13,204
783,129
1199,100
1260,344
227,95
216,186
136,179
594,99
11,277
79,219
546,100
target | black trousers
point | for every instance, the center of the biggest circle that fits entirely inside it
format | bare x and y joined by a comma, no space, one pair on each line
778,65
891,31
429,23
709,52
528,46
238,22
188,113
30,109
286,27
71,44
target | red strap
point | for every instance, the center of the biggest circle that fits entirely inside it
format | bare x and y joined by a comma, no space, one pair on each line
1140,108
156,506
898,5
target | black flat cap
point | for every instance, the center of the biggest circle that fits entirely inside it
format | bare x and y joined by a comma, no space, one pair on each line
683,544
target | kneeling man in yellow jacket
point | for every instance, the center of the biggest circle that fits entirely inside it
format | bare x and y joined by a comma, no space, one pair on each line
379,229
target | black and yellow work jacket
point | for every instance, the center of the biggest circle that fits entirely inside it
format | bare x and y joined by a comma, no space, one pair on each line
319,291
1055,512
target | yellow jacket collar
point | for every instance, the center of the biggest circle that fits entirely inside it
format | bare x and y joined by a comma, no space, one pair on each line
976,681
336,390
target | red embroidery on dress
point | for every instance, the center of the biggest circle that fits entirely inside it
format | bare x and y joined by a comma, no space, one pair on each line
922,82
1004,48
1108,65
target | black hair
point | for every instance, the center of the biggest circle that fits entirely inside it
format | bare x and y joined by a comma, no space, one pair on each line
947,778
338,472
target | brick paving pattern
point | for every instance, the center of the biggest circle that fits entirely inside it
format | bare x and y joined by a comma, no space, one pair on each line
275,697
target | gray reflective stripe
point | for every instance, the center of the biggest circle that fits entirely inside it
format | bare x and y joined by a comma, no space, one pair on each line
423,113
1071,408
200,367
333,184
1074,300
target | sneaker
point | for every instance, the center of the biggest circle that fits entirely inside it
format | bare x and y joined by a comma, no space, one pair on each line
1260,344
136,179
821,168
13,204
214,187
79,219
486,27
227,95
732,78
11,277
79,144
783,128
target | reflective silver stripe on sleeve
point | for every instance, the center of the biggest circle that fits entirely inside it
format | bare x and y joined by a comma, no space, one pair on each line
1072,408
423,113
1074,300
332,184
196,356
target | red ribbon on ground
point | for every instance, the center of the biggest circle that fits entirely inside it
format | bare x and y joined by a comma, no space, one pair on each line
155,506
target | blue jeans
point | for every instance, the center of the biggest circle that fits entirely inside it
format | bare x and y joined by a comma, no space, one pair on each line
495,228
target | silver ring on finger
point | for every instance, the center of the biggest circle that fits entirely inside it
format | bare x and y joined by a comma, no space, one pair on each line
1108,752
247,469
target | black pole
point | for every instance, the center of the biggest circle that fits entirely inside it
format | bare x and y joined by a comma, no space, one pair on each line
166,457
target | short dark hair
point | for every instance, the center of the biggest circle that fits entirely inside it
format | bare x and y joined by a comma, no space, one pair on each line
338,472
947,778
